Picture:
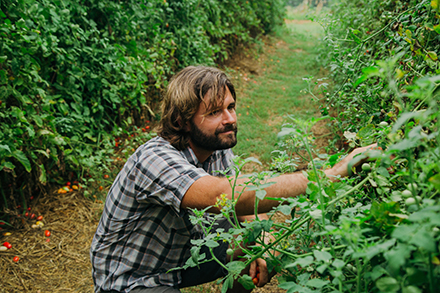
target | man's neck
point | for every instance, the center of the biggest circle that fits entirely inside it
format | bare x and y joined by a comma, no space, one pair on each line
200,153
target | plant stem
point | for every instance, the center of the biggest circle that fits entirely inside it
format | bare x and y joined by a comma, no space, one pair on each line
292,255
358,277
4,198
321,196
356,187
430,275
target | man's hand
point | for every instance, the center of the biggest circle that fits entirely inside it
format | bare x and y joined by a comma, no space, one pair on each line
343,168
259,273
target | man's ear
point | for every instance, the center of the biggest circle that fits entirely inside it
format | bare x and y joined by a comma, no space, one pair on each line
187,126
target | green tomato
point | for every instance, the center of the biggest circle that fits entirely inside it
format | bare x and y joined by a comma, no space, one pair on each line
229,251
410,201
352,268
366,167
406,193
412,186
383,124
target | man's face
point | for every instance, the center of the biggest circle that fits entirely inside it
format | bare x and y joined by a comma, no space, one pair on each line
215,129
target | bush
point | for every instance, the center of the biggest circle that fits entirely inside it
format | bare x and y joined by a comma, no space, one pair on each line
76,74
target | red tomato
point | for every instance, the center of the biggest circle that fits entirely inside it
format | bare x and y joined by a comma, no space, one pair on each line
26,214
29,208
255,280
16,259
7,245
39,218
106,176
32,216
47,233
68,183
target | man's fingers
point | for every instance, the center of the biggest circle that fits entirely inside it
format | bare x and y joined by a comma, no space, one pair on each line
262,272
253,269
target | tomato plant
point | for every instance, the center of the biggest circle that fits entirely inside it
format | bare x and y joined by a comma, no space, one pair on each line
377,230
76,75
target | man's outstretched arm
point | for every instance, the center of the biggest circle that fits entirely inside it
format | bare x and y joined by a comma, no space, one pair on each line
205,191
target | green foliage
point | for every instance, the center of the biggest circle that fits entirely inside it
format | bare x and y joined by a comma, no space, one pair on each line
75,75
378,230
364,42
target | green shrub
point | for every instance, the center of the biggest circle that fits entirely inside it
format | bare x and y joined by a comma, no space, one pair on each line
76,74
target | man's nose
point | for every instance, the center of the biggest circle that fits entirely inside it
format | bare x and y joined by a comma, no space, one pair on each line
229,117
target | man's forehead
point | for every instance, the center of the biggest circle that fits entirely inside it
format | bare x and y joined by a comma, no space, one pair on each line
211,103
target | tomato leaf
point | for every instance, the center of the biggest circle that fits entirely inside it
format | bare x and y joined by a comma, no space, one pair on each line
388,284
367,72
42,176
435,180
246,281
317,283
21,157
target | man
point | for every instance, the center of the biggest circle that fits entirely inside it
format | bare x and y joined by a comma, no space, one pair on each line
145,230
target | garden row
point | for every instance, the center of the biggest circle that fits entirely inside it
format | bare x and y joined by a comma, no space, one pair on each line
378,230
78,79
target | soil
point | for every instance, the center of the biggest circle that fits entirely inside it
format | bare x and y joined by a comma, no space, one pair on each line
61,263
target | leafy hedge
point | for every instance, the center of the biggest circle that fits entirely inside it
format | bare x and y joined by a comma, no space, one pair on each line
76,74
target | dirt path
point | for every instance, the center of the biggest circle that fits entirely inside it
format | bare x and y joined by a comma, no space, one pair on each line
60,263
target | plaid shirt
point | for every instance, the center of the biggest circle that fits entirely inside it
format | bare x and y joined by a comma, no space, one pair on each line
143,233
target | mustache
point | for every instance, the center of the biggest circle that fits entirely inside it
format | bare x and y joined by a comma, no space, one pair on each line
229,127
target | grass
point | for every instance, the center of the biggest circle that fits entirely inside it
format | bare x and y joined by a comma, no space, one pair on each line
267,98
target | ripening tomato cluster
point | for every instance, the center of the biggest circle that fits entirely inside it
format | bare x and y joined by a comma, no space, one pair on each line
6,246
257,278
69,187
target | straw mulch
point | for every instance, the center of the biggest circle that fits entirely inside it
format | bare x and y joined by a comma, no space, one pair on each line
63,263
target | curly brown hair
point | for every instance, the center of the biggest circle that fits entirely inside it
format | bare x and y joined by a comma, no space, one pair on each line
186,90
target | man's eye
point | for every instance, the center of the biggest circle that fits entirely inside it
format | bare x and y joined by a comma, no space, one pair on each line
214,113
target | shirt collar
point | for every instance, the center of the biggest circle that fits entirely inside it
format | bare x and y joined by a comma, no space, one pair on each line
189,154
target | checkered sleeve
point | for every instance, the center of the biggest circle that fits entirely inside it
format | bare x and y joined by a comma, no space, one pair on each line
163,176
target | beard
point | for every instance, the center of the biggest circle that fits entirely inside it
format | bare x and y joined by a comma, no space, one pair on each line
214,142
